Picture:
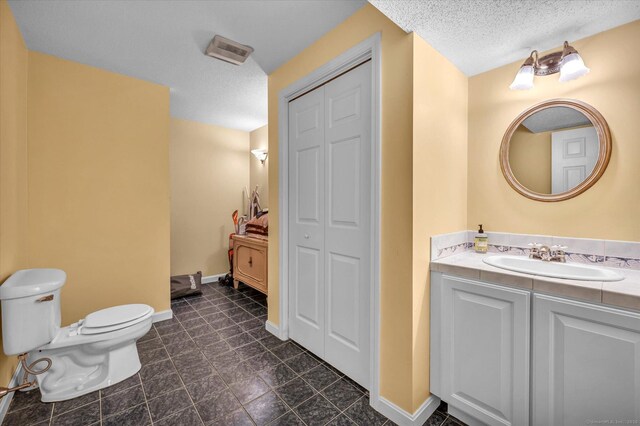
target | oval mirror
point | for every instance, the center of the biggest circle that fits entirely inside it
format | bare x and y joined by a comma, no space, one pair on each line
555,150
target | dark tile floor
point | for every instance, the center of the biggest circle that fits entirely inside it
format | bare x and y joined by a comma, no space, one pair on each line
215,364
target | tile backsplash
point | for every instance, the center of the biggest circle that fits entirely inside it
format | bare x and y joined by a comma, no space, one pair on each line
617,254
447,244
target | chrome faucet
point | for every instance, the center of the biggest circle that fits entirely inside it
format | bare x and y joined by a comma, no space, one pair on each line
536,251
554,254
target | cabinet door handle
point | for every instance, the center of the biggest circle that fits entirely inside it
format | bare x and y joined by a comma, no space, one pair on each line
250,261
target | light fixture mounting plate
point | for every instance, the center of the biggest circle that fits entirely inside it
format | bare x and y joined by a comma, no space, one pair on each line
548,64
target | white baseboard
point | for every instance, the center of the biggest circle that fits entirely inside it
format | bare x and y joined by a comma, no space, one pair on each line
6,401
275,330
162,315
212,278
401,417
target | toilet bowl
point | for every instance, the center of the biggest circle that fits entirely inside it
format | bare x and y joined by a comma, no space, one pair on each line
96,352
85,358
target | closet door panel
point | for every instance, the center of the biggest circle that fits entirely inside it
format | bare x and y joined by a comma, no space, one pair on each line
348,222
306,220
330,207
344,204
307,202
343,320
308,287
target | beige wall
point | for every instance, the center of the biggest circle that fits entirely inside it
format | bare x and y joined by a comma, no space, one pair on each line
440,95
610,209
259,173
424,126
530,159
209,170
98,180
98,147
396,250
13,157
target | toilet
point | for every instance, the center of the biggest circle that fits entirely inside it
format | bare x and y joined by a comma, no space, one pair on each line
96,352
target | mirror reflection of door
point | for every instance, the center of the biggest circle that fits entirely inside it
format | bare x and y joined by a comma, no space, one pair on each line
573,156
553,150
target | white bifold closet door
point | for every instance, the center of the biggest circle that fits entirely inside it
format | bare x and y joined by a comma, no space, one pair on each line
330,221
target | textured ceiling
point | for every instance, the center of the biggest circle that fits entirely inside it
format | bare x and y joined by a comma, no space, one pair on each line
479,35
163,41
555,118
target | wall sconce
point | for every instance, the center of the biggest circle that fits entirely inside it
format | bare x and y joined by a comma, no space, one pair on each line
568,63
260,154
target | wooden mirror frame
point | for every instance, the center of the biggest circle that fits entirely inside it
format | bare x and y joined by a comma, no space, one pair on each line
604,139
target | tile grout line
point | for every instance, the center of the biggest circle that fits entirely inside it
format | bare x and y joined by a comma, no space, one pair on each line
173,390
319,392
146,400
315,393
234,350
208,361
332,383
227,384
117,393
193,404
268,350
298,375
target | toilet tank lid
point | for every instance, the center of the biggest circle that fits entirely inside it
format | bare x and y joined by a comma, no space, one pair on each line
32,282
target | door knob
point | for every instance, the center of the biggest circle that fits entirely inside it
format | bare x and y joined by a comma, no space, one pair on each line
306,236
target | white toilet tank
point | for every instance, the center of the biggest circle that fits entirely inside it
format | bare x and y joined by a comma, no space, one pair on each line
30,309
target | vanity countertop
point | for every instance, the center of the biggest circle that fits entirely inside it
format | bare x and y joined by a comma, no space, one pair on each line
468,264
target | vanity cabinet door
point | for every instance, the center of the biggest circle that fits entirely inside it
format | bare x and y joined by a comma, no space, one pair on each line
586,363
485,350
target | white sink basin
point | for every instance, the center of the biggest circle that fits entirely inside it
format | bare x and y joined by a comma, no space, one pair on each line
569,271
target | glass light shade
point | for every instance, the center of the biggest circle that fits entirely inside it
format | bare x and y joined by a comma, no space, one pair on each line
524,79
572,67
260,154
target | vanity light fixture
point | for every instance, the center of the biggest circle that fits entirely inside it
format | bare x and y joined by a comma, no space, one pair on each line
568,62
260,154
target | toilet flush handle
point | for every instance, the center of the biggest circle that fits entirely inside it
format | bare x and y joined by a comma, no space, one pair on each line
48,298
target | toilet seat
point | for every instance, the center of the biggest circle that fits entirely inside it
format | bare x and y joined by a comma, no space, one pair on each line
114,318
78,334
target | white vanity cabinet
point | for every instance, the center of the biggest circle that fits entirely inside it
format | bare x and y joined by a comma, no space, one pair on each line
506,356
480,349
586,363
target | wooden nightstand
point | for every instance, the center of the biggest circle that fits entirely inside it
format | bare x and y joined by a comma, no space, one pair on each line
250,262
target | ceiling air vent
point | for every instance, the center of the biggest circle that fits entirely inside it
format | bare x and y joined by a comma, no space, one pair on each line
228,50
